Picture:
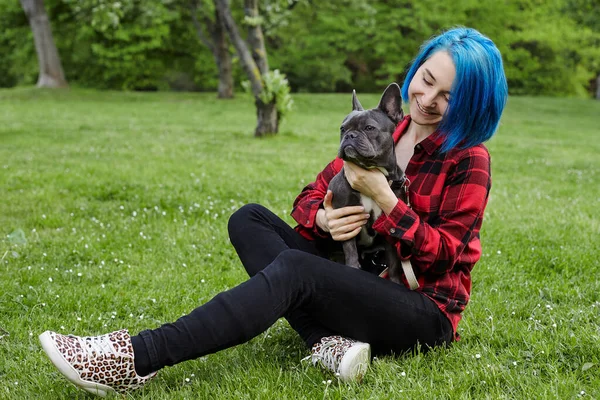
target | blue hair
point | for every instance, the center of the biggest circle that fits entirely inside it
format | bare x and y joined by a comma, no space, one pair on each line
479,90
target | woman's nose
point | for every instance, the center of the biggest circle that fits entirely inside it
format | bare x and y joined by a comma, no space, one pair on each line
428,99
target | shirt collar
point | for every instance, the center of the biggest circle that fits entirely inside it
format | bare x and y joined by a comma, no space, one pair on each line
430,144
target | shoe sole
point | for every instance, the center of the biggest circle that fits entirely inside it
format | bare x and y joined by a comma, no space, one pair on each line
68,371
355,363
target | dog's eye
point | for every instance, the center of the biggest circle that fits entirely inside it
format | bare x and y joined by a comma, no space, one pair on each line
342,129
369,128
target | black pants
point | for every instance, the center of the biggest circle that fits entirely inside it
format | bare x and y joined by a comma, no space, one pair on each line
290,279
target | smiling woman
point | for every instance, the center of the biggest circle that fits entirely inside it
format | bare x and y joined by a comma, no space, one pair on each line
429,91
456,90
463,71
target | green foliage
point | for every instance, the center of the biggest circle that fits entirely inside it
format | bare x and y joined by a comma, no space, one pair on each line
276,89
17,53
123,200
549,48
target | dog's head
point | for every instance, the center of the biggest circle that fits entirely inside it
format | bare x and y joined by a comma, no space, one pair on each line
366,135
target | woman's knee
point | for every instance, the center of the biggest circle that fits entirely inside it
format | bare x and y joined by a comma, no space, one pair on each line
294,264
242,217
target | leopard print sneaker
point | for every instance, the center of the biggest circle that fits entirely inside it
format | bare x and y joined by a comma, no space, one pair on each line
346,358
99,364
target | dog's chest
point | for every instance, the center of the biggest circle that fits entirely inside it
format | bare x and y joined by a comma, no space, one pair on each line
370,206
365,238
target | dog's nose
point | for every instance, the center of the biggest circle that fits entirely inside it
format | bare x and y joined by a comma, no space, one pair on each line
352,135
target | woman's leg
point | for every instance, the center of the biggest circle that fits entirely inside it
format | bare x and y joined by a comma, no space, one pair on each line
259,236
344,300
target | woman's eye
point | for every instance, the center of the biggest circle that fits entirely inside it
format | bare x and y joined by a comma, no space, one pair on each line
426,82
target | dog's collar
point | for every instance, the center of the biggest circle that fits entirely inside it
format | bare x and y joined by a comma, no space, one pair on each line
398,183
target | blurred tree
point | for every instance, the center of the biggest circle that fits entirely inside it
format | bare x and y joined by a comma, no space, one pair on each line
549,48
51,73
216,41
586,14
253,56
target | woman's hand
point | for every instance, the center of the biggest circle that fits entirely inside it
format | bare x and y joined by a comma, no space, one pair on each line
371,183
342,223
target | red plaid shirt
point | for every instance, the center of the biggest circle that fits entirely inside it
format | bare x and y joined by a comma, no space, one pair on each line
440,233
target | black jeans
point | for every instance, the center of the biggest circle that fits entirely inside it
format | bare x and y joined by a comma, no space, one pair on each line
290,279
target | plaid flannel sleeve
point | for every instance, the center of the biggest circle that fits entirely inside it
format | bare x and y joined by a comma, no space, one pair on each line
452,219
310,200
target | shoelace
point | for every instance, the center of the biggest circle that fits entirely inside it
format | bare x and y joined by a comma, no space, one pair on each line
98,345
327,356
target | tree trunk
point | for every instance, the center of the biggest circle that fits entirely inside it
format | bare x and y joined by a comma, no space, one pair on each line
218,46
267,114
598,87
267,119
51,71
223,59
256,39
248,63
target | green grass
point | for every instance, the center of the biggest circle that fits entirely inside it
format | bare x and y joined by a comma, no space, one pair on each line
123,198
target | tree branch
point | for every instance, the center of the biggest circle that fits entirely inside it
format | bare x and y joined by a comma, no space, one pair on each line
248,63
193,6
255,36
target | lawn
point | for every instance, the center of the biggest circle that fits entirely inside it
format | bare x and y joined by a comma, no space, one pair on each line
114,211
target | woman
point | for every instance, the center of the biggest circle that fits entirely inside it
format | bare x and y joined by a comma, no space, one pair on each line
456,91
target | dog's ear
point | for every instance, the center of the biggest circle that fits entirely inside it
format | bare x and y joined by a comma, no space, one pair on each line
356,106
391,102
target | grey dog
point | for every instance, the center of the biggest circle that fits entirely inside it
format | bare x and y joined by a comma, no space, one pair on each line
366,140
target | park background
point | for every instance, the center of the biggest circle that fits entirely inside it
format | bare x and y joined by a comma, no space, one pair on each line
119,171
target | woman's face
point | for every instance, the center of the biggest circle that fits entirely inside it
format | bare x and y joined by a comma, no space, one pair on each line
429,90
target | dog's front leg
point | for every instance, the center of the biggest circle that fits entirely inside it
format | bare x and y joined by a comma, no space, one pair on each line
351,253
393,263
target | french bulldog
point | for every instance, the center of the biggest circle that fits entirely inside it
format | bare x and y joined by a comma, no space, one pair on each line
366,140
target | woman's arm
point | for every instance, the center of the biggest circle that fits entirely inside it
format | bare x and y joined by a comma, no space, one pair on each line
434,237
310,199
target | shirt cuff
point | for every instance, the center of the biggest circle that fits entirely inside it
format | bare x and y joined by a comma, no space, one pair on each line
308,221
400,224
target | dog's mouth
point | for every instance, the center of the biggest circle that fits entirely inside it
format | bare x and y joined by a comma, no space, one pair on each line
349,152
352,154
